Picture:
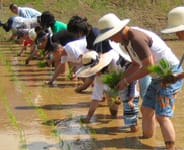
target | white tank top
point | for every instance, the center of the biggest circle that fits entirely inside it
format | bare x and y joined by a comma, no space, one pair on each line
159,48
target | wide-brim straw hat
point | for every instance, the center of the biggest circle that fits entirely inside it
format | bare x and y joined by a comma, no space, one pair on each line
175,20
93,63
110,24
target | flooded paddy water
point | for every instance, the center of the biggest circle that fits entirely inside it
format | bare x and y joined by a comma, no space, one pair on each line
38,117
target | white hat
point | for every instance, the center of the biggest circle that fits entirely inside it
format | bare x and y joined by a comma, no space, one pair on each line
32,34
175,20
93,63
110,24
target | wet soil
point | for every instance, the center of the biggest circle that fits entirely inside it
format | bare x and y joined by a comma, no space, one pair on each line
38,117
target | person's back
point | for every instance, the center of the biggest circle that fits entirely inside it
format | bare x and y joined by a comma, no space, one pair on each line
48,21
46,40
80,25
75,49
58,26
63,37
159,48
24,12
27,12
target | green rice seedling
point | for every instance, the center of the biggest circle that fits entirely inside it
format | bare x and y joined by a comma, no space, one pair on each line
11,116
39,110
44,117
68,147
22,140
14,123
92,131
42,64
111,79
69,74
41,52
161,69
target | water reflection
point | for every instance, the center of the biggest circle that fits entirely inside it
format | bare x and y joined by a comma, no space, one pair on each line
50,116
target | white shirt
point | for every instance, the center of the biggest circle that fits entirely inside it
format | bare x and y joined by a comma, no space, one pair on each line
74,50
23,23
98,88
120,49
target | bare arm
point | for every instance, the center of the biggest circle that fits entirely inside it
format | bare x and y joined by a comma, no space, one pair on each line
134,72
180,76
59,69
34,51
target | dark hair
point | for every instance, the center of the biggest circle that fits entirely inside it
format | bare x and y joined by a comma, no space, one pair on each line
56,46
21,32
40,36
47,19
38,29
78,25
12,6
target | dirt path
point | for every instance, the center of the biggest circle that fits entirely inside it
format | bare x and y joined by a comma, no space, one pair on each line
37,117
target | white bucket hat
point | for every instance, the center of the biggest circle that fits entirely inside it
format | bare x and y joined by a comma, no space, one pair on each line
32,34
110,24
175,20
93,63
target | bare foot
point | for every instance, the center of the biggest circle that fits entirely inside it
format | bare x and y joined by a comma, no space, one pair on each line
84,120
134,128
49,83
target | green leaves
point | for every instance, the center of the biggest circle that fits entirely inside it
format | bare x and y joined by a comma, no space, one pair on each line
42,64
69,74
162,69
112,78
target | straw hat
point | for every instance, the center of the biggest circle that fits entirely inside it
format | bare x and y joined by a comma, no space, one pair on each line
32,34
93,63
175,20
110,24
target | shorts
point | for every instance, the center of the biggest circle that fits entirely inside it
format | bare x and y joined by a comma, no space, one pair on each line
162,99
130,115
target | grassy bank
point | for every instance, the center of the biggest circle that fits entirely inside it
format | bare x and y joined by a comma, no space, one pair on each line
151,14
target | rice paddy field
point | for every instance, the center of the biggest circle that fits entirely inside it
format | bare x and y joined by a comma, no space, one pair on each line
38,117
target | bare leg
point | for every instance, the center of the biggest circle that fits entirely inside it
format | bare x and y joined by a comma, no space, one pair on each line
86,83
148,122
34,51
92,108
22,50
168,131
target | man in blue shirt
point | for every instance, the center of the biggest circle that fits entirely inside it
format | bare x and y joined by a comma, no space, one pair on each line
24,12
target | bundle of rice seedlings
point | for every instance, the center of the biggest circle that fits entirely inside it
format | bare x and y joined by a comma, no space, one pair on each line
161,69
111,79
42,64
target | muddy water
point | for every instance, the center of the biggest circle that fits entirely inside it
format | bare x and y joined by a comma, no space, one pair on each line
38,117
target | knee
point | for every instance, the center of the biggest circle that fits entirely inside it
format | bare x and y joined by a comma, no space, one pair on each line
161,119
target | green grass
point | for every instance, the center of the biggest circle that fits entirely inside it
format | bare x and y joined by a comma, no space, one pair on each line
144,13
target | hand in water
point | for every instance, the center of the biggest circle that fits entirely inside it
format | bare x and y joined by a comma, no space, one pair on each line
49,83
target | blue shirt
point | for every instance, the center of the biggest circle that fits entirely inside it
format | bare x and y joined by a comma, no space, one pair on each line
27,12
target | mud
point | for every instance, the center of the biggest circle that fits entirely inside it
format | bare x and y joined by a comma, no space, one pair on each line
38,117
